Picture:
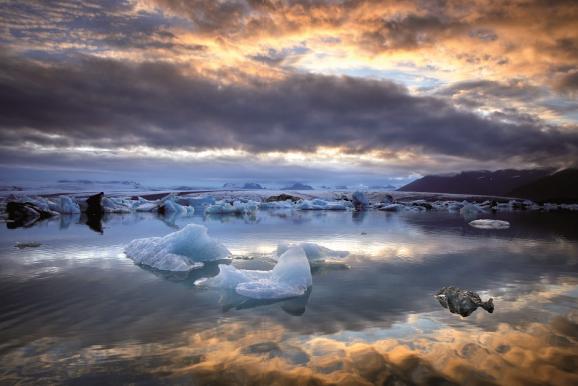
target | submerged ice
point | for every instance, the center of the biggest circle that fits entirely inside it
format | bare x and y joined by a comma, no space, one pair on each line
183,250
290,277
490,224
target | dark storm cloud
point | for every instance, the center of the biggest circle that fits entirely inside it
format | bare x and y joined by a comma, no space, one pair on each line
513,89
568,82
500,96
106,103
60,25
410,32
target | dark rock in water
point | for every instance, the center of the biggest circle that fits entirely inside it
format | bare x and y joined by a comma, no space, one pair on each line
94,204
283,197
342,197
463,302
31,244
24,214
94,212
94,222
423,204
360,202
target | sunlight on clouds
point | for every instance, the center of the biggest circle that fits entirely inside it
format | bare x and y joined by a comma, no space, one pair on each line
237,56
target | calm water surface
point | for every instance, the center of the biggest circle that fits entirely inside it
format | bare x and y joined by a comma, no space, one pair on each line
75,310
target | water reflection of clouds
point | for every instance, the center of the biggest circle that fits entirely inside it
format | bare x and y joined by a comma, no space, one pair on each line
245,353
377,321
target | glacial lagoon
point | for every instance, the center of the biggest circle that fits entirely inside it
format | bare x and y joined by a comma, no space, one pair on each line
76,310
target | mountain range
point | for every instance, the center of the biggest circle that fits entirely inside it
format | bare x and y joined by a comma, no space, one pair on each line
535,184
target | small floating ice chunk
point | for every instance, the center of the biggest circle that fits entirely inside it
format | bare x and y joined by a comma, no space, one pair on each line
360,201
66,205
314,252
470,210
169,206
290,277
319,204
199,202
237,207
276,205
143,205
490,224
454,206
183,250
392,207
114,205
40,203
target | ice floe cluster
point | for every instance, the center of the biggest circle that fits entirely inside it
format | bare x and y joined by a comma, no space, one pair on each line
26,210
191,248
468,208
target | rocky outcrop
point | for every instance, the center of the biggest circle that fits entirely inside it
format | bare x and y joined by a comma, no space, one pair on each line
463,302
94,205
22,214
282,197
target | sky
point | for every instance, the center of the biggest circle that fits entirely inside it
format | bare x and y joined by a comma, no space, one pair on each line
323,92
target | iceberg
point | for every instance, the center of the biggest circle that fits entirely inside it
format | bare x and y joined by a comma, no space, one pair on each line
314,252
470,210
169,205
319,204
40,204
290,277
112,205
183,250
237,207
65,205
276,205
199,203
25,211
454,206
392,207
360,202
144,205
490,224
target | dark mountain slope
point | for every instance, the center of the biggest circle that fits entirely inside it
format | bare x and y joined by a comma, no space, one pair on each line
561,186
484,182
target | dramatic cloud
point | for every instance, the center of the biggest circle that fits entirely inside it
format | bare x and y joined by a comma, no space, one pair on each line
413,86
102,103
